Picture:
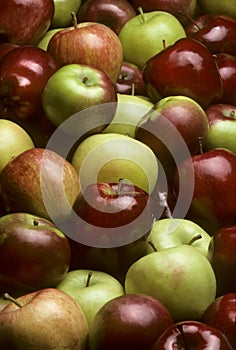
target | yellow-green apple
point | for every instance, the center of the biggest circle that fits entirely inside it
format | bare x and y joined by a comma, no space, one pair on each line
113,13
25,22
222,127
109,157
227,7
43,42
91,289
130,110
88,43
41,182
128,322
148,33
75,87
181,277
62,12
175,71
24,72
172,232
13,141
27,322
130,80
27,262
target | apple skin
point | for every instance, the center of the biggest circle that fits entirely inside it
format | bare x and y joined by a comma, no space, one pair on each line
88,43
221,314
25,22
91,289
228,7
130,80
222,127
62,12
5,48
175,70
112,13
30,326
43,42
129,322
192,335
21,84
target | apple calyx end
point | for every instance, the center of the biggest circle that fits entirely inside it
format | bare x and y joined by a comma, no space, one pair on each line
8,297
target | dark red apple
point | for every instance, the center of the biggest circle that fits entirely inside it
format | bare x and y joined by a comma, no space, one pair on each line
185,68
217,32
113,13
130,80
195,335
221,314
25,22
5,48
24,72
34,253
129,322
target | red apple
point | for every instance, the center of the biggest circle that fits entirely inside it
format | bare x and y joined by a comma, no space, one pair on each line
5,48
217,32
113,13
129,322
24,72
192,335
221,314
185,68
25,22
130,80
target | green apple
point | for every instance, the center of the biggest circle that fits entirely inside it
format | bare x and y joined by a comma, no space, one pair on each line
91,289
110,157
227,7
62,12
146,34
13,141
130,110
180,277
173,232
43,43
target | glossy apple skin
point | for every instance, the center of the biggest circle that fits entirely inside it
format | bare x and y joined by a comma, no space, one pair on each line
192,335
24,72
25,22
5,48
227,69
26,258
112,13
129,322
175,71
221,314
130,80
217,32
214,197
223,259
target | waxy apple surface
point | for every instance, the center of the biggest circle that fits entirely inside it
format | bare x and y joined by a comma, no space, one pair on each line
130,80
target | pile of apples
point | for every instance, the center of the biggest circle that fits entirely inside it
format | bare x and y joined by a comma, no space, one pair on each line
117,174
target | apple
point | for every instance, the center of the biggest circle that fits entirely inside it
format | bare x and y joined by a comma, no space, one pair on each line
25,22
27,262
192,335
180,277
222,127
223,259
221,314
5,48
128,322
130,80
113,13
13,141
62,12
148,33
213,203
88,43
185,68
130,110
24,72
217,32
91,289
41,182
228,7
42,320
43,42
110,157
173,232
75,87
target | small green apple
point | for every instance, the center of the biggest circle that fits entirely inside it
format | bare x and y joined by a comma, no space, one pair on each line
62,12
91,289
147,34
180,277
227,7
43,43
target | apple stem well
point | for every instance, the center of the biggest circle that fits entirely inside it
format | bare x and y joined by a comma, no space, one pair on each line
194,239
8,297
89,278
152,245
180,328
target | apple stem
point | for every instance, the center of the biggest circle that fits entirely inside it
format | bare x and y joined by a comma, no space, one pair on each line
120,183
140,10
89,278
8,297
200,138
164,43
194,239
132,89
152,245
74,19
189,18
180,328
164,203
